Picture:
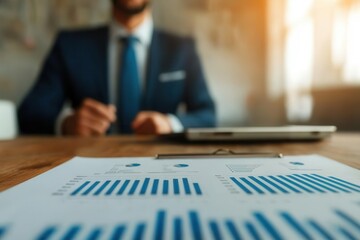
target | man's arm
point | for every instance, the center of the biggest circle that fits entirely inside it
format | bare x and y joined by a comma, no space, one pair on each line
92,118
149,122
200,107
38,112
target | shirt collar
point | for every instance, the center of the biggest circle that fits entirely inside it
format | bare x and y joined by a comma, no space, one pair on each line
143,32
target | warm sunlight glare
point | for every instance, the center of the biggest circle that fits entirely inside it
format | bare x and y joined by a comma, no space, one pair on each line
299,58
352,64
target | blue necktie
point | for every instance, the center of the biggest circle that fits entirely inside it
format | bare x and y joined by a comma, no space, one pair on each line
129,93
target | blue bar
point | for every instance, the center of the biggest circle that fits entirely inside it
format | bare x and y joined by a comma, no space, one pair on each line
71,234
320,230
160,225
306,184
316,183
285,184
348,218
186,186
296,184
233,230
327,183
296,225
112,188
80,188
274,184
2,231
139,231
123,187
178,235
258,190
252,231
195,225
98,192
336,182
263,184
155,187
90,188
348,183
46,234
240,185
267,225
197,189
95,234
144,186
118,233
133,187
215,230
347,234
166,187
176,186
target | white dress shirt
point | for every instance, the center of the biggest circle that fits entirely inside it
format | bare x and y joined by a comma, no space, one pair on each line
144,34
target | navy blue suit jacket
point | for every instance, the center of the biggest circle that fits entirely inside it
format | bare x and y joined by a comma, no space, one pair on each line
77,68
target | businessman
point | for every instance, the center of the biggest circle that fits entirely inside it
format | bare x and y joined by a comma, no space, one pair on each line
124,78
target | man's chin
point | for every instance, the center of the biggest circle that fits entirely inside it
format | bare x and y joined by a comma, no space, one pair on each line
131,10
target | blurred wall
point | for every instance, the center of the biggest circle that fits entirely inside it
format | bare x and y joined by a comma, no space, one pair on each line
337,106
230,36
27,30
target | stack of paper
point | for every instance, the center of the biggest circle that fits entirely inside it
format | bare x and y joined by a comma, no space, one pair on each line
303,197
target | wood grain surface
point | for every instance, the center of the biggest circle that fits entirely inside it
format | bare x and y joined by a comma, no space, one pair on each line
26,157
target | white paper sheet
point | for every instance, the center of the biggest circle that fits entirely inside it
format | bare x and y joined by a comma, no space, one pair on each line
300,197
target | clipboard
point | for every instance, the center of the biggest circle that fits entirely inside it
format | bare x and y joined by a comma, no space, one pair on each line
220,153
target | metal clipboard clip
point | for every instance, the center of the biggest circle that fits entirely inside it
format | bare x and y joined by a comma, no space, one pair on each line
220,153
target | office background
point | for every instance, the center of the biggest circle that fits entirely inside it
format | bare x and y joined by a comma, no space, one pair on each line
268,62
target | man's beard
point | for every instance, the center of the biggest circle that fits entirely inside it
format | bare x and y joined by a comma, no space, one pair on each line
130,10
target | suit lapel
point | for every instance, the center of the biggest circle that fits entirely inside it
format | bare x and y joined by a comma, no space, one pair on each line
101,40
153,68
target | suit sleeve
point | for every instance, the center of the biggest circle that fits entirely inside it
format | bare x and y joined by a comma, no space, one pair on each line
38,112
200,107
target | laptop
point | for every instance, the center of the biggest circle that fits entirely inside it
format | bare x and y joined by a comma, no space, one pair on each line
283,133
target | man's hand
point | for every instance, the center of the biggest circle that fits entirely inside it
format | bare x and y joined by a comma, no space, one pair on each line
151,123
91,119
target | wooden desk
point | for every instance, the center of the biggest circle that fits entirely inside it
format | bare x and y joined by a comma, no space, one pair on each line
26,157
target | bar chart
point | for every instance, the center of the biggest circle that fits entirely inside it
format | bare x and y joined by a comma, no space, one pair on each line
294,183
257,225
139,187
